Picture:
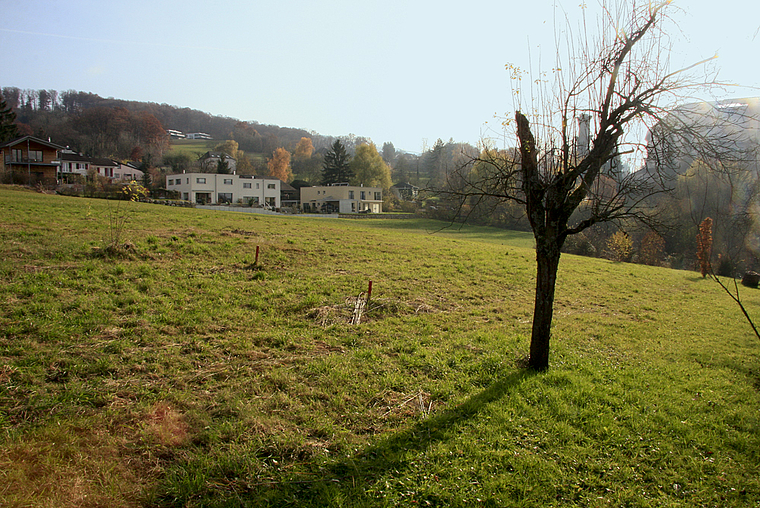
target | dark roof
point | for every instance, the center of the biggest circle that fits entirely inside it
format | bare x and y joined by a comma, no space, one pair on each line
74,157
405,186
32,138
217,155
100,161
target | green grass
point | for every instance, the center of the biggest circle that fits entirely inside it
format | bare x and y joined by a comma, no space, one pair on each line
180,374
192,147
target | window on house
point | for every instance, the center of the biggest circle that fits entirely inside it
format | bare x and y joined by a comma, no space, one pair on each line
16,155
225,197
228,181
378,196
271,186
200,180
171,182
363,195
35,155
246,185
350,194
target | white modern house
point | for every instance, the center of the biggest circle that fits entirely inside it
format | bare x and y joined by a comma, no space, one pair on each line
198,135
342,198
214,188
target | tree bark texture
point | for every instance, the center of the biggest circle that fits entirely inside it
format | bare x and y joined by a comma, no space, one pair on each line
547,263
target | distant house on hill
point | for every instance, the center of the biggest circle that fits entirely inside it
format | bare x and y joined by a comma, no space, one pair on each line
210,161
29,161
197,135
405,191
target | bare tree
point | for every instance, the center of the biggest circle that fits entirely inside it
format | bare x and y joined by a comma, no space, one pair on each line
606,90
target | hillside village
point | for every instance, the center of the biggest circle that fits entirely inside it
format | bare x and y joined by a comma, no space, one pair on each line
35,162
195,167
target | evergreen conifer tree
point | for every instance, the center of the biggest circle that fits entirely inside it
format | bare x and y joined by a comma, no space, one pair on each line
8,128
336,168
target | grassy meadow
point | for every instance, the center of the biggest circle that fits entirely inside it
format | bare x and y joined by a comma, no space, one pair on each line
182,373
192,147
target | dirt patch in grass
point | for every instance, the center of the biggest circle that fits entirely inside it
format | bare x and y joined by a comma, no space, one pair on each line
167,425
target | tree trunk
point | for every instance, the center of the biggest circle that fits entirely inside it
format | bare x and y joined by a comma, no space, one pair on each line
547,261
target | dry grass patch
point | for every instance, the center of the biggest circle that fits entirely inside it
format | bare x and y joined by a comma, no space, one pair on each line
72,466
167,425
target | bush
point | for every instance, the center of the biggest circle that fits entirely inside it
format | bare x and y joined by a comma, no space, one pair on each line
652,249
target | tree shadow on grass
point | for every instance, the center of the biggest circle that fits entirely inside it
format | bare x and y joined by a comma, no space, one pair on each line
343,482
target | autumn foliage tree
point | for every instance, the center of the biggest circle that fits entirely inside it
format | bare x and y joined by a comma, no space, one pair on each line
369,168
620,246
652,249
704,246
279,165
304,149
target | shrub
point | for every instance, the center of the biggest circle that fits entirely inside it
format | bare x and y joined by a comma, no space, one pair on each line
652,249
580,245
620,246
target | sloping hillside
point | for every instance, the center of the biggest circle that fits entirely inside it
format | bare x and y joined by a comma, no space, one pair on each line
183,372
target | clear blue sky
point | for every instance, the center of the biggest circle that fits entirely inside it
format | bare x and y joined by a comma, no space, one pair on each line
392,70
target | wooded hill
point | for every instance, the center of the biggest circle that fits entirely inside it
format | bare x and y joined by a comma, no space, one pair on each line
108,127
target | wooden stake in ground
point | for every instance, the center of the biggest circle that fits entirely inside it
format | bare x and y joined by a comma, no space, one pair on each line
361,305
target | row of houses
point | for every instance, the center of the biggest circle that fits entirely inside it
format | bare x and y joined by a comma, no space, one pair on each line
219,189
31,161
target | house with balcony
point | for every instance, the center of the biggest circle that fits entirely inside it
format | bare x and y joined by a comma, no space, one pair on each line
30,161
198,135
219,189
342,198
